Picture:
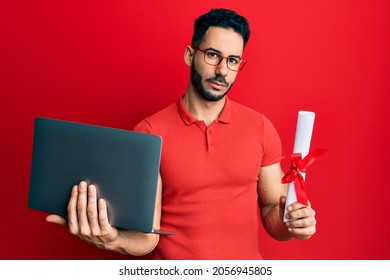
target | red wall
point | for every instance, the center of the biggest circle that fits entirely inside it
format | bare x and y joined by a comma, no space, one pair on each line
113,62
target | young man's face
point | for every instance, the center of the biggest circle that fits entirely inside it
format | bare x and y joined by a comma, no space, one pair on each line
213,82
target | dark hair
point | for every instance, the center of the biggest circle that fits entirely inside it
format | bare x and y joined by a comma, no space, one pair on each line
220,18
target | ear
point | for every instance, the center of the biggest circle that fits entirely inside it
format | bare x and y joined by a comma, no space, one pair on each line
189,55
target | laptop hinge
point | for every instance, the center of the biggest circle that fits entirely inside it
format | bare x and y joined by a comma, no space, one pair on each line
163,232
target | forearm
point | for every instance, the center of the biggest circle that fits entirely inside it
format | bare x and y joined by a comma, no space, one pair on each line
133,243
274,225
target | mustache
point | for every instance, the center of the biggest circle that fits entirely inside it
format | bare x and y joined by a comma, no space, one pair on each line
219,79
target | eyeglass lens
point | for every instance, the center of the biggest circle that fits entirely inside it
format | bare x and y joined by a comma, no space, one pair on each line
213,58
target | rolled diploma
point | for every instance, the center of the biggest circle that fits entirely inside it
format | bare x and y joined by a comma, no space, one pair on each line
302,141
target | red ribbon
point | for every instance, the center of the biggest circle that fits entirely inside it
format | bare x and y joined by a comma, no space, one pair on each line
299,165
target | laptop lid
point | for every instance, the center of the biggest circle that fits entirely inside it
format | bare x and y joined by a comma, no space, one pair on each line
123,165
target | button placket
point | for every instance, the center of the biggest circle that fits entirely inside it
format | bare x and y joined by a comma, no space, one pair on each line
208,138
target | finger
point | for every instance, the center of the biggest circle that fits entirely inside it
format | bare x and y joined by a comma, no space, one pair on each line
302,233
301,223
56,220
297,207
300,213
92,211
82,209
72,211
105,226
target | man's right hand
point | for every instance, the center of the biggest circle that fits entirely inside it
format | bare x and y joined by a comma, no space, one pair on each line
87,217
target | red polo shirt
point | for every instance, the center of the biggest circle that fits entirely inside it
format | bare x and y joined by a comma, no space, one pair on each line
210,177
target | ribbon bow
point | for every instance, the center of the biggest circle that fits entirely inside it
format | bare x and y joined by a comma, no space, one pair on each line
299,166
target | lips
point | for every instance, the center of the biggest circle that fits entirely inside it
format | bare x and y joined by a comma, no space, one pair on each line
217,85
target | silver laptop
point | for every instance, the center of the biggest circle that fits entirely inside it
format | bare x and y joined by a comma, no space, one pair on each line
123,165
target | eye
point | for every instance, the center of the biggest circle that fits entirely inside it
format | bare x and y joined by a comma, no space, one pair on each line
213,55
234,60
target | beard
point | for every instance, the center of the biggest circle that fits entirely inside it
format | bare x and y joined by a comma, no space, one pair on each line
196,79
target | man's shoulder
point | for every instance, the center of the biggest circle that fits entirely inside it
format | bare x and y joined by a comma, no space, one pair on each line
164,113
161,118
245,110
249,116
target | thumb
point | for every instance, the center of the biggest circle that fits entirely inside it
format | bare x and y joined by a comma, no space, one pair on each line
56,220
282,201
282,205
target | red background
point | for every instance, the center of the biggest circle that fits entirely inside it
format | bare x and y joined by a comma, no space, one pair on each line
113,62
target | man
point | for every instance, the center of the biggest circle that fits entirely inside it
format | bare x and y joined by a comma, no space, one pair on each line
220,174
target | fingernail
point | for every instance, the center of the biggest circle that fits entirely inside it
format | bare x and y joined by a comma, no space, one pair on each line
289,208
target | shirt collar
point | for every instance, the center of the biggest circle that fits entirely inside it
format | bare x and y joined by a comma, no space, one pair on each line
188,119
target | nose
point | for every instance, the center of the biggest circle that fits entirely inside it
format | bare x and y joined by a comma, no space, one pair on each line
222,68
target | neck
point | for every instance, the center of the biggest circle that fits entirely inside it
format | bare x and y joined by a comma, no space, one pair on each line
201,109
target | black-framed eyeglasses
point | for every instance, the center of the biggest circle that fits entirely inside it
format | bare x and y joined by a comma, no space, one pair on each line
212,57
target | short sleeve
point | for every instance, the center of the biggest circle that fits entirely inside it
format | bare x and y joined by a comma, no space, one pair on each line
272,144
144,127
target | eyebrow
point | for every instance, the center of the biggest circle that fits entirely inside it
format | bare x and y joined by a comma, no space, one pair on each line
217,51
